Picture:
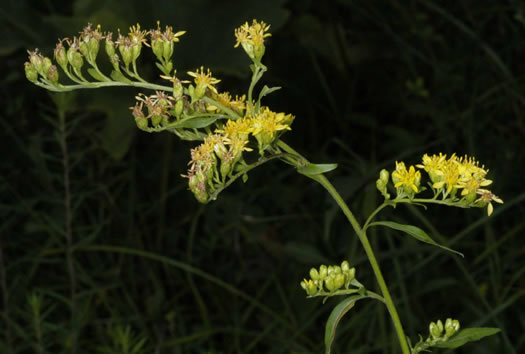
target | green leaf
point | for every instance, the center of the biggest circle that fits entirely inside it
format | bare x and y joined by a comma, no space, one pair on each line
267,90
335,317
118,76
95,75
415,232
312,169
194,122
467,335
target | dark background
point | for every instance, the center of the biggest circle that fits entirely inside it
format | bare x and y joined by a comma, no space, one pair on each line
370,82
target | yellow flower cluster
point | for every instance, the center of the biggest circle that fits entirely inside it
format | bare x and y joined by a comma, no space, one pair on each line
203,80
448,176
251,37
215,159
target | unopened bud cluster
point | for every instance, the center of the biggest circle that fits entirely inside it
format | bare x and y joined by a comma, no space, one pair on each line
328,279
459,180
440,332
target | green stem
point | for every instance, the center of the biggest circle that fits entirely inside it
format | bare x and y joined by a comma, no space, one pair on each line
321,179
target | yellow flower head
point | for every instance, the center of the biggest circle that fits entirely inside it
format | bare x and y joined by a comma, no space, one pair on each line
204,80
238,145
269,123
233,128
251,37
136,35
225,99
410,178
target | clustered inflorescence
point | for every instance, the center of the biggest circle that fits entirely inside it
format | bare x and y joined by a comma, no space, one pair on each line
329,279
458,180
188,109
438,333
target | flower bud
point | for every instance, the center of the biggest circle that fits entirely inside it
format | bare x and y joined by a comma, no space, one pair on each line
329,282
94,47
75,58
384,176
60,55
436,329
314,274
46,64
135,51
323,271
126,53
157,46
345,266
178,89
31,73
110,45
451,327
167,50
200,91
339,280
179,108
433,330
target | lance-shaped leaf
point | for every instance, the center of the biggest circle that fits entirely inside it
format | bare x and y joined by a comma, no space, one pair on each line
415,232
335,317
312,169
467,335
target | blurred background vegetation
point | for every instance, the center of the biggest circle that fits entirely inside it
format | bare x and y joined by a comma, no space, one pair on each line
103,250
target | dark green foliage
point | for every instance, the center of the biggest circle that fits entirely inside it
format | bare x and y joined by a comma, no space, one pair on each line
370,82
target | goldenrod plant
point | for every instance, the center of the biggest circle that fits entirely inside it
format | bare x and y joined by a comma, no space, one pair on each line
238,133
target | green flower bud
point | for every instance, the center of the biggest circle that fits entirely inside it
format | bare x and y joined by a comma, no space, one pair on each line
331,270
46,64
94,47
384,176
433,330
178,90
84,49
126,53
75,58
314,274
179,108
329,282
60,55
436,329
31,73
167,50
449,328
345,266
339,280
135,51
200,90
157,46
226,167
323,271
110,45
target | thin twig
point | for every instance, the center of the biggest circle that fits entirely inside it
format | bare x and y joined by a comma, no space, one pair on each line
68,223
